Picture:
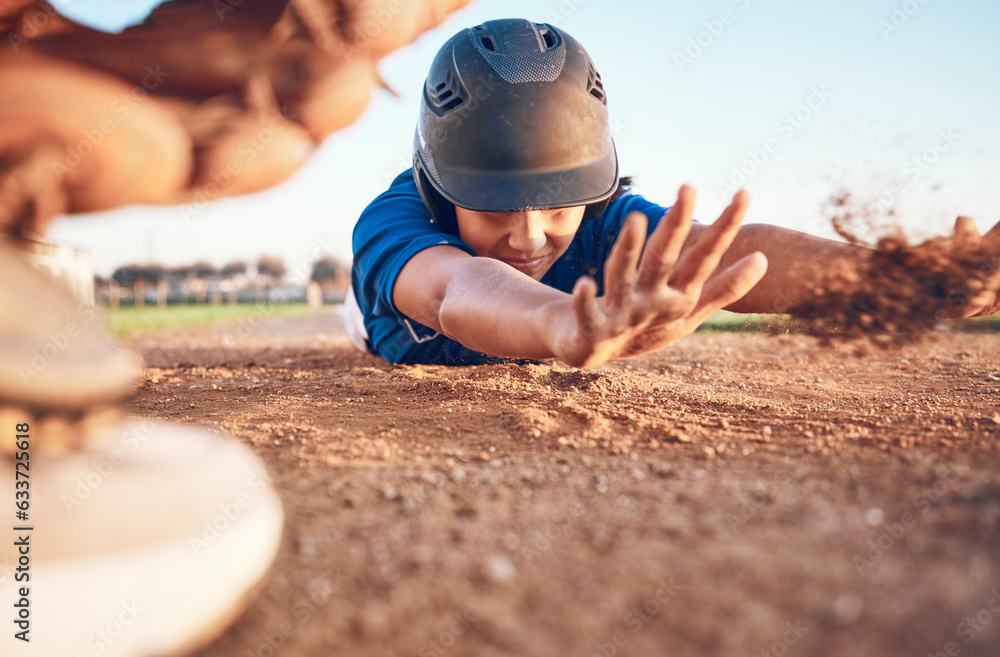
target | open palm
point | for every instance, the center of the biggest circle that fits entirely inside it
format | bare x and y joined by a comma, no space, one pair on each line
657,290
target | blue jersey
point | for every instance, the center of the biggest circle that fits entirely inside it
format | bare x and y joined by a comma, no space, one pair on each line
396,226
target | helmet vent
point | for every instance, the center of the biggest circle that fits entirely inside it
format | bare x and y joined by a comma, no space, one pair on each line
548,38
445,96
594,85
521,51
485,38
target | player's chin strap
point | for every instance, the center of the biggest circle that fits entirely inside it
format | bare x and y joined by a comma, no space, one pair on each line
443,212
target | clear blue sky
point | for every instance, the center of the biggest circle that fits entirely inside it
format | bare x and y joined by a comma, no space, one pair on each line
888,82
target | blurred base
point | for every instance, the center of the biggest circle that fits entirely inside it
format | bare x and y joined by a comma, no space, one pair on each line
151,544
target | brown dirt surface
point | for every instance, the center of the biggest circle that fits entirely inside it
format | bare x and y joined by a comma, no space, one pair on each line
734,494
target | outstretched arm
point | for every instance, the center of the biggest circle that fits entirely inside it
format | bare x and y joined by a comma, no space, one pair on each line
485,304
795,265
791,273
653,295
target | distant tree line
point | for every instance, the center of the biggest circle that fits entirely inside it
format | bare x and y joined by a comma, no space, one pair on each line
203,282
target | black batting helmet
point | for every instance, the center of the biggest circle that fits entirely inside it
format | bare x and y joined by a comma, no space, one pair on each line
513,117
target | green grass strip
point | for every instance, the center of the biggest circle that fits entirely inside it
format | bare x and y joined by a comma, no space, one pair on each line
135,321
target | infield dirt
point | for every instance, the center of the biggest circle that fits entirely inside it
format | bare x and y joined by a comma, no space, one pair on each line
734,494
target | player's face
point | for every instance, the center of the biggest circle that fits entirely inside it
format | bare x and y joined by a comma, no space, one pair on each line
529,241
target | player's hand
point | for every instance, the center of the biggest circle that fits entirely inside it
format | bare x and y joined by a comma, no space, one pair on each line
657,295
981,295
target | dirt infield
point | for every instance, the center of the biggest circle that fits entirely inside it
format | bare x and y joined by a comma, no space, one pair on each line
735,494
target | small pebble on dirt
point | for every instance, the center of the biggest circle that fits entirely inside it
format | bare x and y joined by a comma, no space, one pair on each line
874,517
499,568
847,609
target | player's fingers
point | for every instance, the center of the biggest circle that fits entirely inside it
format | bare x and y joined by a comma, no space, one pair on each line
698,263
983,303
664,245
619,269
732,284
984,286
966,237
990,264
991,270
588,315
991,239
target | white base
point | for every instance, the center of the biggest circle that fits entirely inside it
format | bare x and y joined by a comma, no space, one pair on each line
158,559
